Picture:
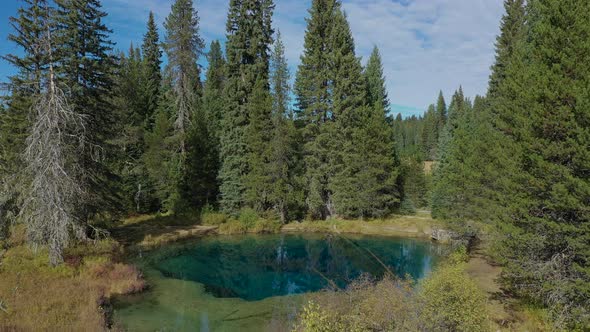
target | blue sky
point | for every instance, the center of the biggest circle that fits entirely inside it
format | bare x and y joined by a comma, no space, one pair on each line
426,45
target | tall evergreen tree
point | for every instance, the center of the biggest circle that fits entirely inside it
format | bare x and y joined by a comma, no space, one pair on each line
430,133
364,180
29,28
312,89
285,163
86,66
208,146
258,135
152,57
511,30
454,143
213,97
375,80
183,46
543,109
442,114
131,104
179,109
249,35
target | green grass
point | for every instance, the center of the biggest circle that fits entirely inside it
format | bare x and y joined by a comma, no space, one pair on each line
408,226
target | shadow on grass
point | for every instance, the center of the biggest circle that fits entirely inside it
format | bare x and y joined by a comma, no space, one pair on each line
134,230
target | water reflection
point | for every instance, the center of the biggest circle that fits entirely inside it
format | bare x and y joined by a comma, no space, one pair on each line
210,284
257,267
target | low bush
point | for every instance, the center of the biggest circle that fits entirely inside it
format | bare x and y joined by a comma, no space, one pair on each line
248,217
214,218
266,226
447,300
233,227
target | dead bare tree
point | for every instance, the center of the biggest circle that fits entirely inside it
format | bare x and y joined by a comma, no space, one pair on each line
56,138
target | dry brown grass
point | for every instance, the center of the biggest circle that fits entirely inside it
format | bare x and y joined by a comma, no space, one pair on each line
70,297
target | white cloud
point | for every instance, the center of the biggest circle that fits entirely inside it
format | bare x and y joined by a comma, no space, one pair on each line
426,45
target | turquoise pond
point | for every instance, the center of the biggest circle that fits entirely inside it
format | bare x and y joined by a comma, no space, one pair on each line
257,282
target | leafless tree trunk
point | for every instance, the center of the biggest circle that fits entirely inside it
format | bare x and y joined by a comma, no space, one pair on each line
56,138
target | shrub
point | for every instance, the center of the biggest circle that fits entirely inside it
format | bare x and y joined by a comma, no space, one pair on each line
407,207
266,226
248,217
314,318
213,218
387,305
450,301
233,227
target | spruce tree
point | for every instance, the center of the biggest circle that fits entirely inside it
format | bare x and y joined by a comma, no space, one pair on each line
159,158
258,135
213,97
543,109
375,81
86,66
285,163
152,57
208,146
179,107
183,46
430,133
131,104
249,35
454,147
511,30
312,89
441,111
29,28
362,148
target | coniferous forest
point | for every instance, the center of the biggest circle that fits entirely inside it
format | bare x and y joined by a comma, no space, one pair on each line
90,135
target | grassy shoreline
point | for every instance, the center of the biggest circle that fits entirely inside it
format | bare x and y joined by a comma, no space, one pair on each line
77,294
399,226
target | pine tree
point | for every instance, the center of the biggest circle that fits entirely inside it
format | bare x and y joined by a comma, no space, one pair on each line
152,57
258,135
131,104
86,66
179,106
511,30
449,177
213,97
375,81
208,147
159,157
364,180
313,106
28,29
543,109
430,133
183,46
441,111
285,163
249,35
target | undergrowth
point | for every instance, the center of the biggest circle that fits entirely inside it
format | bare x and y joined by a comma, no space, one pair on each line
74,296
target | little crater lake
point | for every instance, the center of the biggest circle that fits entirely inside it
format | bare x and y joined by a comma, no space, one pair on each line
258,282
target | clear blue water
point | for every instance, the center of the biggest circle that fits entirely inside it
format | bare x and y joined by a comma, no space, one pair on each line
243,283
256,267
